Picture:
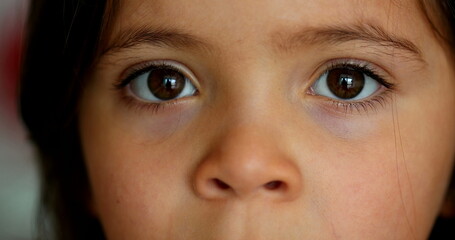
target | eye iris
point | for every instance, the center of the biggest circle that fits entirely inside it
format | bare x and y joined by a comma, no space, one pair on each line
166,84
345,83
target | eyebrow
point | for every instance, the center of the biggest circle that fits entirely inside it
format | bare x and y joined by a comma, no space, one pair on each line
368,33
158,37
326,35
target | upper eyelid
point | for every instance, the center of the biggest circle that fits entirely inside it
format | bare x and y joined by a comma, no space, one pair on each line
330,64
142,68
367,68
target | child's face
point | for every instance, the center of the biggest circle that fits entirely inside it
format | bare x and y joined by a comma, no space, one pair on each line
302,119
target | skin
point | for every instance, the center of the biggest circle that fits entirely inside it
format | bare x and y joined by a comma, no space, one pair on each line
378,172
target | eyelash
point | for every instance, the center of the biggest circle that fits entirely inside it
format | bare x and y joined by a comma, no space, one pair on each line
345,106
136,71
154,108
141,69
362,106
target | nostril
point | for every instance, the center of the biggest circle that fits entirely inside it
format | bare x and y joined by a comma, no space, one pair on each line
274,185
220,184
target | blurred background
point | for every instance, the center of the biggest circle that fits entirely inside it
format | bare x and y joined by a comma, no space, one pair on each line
18,175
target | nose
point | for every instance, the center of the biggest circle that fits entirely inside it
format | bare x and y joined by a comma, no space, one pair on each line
247,164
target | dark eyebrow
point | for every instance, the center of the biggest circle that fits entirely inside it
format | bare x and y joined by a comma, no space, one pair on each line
368,33
159,37
371,34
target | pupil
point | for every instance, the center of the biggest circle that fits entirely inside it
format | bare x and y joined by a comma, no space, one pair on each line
345,83
166,84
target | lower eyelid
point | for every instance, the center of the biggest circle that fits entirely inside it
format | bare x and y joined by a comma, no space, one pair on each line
367,106
132,103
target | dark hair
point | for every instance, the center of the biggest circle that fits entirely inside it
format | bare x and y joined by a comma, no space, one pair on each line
441,17
60,46
62,43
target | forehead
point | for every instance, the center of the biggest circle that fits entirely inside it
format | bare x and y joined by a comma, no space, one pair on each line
253,23
205,14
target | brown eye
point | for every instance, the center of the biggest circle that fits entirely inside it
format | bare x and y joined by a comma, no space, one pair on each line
345,83
161,83
166,84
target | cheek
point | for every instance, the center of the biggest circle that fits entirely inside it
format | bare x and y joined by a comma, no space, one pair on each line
363,196
137,176
427,141
134,186
357,188
381,175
